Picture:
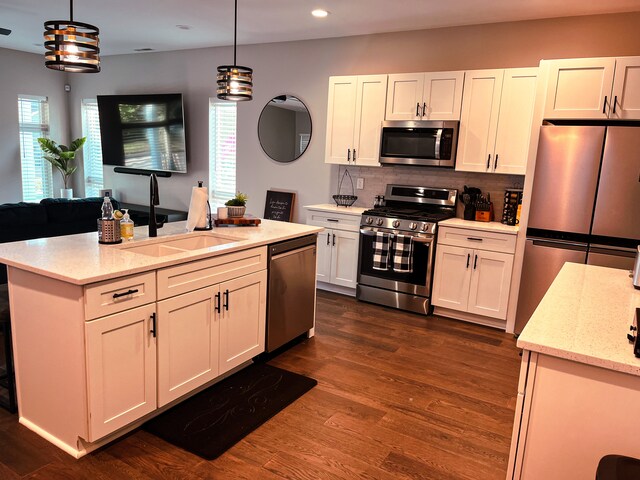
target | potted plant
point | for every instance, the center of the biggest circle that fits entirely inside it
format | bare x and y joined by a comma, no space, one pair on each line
237,205
62,157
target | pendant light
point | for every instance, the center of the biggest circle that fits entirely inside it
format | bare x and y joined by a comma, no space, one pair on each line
71,46
234,81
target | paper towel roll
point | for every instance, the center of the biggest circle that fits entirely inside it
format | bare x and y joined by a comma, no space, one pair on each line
197,216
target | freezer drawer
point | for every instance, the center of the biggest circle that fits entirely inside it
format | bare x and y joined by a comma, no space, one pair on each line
612,258
543,259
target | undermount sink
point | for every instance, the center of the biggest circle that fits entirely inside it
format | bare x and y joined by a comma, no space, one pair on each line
186,244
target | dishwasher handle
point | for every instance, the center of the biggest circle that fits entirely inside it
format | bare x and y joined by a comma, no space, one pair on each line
294,252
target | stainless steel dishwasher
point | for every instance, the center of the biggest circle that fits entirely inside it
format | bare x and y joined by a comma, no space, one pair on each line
291,295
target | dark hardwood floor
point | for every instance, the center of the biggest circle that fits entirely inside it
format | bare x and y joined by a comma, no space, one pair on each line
399,396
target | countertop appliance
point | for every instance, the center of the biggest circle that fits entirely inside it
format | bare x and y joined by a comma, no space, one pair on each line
425,143
584,205
291,294
410,211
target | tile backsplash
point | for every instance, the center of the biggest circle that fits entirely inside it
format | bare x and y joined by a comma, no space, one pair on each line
377,178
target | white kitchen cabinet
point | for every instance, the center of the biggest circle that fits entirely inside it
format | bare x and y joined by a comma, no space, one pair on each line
593,88
495,126
338,246
208,331
189,330
355,112
121,369
473,273
424,96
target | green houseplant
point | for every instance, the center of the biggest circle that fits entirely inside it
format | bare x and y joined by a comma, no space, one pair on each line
62,157
237,205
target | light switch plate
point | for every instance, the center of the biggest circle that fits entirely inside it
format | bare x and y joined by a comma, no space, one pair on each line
106,191
360,183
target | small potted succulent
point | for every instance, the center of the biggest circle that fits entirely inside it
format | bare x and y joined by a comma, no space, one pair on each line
237,205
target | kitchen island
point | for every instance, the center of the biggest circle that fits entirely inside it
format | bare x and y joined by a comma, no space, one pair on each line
107,336
579,380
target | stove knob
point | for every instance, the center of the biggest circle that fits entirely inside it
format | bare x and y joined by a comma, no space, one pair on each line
396,223
379,222
413,225
425,227
369,220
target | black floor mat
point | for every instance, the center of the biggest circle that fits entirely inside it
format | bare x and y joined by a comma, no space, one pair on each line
215,419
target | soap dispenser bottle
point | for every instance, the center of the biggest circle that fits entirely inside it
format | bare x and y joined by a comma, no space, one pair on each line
126,226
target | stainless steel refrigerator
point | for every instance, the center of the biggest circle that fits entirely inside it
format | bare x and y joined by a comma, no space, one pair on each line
585,205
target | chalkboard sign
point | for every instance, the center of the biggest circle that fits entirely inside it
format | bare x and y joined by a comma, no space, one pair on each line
279,205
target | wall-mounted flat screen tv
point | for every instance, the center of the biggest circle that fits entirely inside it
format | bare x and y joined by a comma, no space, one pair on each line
143,132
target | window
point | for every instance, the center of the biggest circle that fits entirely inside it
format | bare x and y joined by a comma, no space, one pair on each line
33,123
222,152
92,150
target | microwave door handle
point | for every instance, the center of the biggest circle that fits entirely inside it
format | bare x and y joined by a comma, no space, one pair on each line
438,140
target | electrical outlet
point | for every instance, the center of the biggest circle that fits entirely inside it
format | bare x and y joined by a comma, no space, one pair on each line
106,191
360,183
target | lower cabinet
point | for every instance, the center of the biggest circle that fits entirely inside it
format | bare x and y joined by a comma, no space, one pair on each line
473,272
338,246
207,332
121,369
337,257
143,358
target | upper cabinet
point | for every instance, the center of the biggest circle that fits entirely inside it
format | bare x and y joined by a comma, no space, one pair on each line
593,88
355,113
495,127
424,96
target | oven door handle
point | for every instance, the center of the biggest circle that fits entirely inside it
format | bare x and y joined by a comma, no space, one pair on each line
371,233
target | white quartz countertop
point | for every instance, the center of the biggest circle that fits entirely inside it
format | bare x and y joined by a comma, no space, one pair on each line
585,317
332,208
79,259
484,226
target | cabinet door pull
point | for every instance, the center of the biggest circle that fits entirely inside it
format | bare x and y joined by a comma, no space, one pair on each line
474,239
217,307
488,161
332,220
615,100
334,239
468,259
348,155
424,109
475,262
153,325
124,294
495,164
418,109
328,238
226,300
354,156
604,105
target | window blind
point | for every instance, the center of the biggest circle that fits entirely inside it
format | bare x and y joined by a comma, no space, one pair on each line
222,152
33,123
92,150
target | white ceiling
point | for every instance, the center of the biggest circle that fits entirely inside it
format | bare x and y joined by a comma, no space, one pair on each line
126,25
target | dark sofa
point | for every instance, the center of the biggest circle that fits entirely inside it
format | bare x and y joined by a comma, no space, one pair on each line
52,217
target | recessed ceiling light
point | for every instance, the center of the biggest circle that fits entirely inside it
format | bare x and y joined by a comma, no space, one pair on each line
319,13
184,27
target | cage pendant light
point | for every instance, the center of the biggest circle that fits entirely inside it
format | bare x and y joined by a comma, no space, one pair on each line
71,46
234,81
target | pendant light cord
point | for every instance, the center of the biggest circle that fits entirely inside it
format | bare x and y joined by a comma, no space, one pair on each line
235,31
71,10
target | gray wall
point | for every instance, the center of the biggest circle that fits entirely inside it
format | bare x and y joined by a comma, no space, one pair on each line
307,66
20,74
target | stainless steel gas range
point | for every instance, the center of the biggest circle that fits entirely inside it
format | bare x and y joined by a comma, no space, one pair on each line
397,246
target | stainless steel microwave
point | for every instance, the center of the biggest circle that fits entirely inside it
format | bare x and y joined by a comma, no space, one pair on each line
425,143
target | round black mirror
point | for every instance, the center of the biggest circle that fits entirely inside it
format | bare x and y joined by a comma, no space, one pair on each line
284,128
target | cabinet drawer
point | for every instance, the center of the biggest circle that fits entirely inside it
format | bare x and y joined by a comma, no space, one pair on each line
339,221
203,273
480,240
113,296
